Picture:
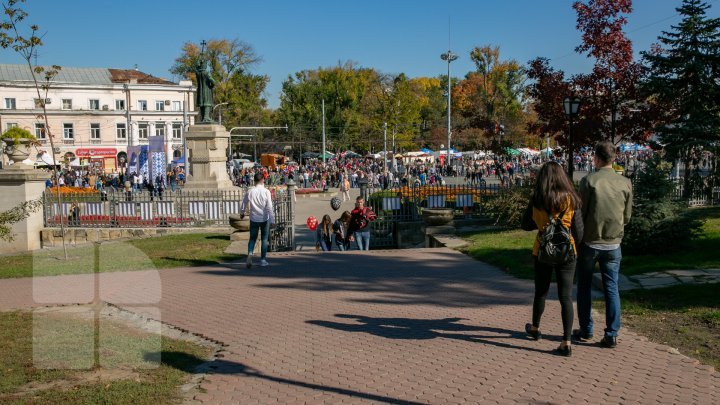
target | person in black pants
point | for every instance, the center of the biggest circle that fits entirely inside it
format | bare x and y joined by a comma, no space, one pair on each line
554,197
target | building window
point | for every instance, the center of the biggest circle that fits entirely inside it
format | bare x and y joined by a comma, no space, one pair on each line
40,103
67,104
10,103
177,130
10,125
159,105
177,106
160,129
68,131
119,104
120,130
40,130
143,130
94,131
142,105
94,104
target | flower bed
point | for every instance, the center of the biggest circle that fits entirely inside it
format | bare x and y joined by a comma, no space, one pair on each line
301,191
118,221
74,190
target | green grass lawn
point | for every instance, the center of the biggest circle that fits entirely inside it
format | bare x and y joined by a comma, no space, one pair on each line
118,379
510,250
686,317
139,254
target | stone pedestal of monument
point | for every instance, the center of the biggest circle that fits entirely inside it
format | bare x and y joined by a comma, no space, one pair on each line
21,183
207,145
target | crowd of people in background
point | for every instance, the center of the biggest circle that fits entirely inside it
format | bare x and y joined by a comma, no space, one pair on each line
346,173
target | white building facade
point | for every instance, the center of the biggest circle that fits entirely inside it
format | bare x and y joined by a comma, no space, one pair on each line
94,114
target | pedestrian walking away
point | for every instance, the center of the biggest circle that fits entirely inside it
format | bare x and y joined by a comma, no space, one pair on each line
259,202
554,209
607,202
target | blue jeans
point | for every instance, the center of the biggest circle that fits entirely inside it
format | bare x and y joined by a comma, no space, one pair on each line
325,246
362,238
264,229
609,261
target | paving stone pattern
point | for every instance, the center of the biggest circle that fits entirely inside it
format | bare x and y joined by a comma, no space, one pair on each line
397,327
676,277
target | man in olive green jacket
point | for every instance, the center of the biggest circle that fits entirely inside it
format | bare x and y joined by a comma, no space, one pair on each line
607,206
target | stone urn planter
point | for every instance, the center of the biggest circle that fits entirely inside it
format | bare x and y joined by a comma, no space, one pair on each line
240,225
17,150
437,216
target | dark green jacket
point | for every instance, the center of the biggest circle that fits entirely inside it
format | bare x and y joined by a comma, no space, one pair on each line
607,206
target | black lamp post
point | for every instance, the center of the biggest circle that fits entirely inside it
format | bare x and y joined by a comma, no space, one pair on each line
571,106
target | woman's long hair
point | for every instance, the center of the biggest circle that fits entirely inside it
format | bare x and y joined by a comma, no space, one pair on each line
553,190
326,224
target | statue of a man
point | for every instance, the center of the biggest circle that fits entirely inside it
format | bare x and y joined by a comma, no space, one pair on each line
204,94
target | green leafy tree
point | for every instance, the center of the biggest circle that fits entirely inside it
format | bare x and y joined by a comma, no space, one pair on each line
352,98
684,83
659,222
490,96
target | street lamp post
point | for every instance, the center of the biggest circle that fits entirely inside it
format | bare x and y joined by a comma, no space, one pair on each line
571,106
449,57
220,114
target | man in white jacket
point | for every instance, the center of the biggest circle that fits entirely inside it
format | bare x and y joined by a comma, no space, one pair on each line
259,201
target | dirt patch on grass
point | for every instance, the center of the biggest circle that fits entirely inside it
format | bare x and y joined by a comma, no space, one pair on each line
693,336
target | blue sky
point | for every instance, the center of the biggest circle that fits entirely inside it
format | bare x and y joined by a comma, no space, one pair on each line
393,35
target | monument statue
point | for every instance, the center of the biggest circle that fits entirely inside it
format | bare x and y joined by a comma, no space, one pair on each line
205,85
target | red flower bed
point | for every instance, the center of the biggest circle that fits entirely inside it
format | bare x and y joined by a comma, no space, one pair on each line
309,191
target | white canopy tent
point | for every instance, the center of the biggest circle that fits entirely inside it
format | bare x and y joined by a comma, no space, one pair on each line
46,159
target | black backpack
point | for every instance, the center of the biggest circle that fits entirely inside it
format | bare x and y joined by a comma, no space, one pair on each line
556,242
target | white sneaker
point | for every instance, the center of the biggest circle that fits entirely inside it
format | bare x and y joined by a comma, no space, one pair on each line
264,263
248,261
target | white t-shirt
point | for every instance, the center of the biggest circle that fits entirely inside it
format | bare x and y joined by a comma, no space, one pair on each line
260,201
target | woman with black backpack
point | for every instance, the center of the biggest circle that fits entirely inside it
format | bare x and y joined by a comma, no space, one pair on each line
554,210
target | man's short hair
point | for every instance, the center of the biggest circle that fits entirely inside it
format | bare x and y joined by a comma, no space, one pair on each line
605,152
258,177
359,198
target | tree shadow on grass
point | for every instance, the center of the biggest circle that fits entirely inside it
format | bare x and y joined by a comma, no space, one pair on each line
192,364
226,261
423,329
218,237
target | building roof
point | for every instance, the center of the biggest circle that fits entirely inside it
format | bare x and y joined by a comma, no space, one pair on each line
81,75
125,75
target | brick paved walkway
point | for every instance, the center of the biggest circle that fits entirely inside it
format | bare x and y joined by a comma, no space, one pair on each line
400,327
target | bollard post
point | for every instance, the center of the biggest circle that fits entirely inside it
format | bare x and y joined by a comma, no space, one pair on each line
291,201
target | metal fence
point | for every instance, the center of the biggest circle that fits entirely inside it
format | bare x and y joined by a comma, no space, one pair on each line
118,209
704,194
405,204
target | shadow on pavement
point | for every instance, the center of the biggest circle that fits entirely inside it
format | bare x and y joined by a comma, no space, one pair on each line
442,278
181,361
422,329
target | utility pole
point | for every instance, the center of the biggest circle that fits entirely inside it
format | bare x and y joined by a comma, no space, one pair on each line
449,57
323,130
393,148
385,148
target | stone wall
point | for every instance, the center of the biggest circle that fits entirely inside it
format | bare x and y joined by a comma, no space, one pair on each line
52,237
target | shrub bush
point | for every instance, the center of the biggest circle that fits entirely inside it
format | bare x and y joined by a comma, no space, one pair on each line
659,222
508,206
